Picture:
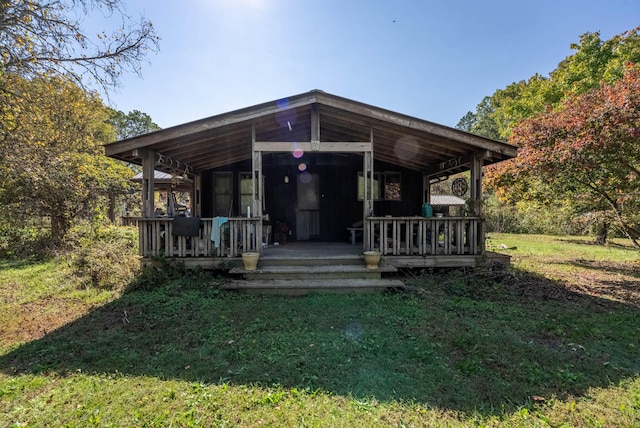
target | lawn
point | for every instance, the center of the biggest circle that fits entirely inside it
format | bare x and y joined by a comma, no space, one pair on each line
553,342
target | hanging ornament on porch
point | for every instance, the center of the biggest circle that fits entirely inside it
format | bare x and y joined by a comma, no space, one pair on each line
459,186
174,180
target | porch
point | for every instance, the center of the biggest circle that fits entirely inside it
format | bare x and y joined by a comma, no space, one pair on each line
410,242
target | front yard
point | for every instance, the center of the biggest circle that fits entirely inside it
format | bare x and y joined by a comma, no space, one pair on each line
555,341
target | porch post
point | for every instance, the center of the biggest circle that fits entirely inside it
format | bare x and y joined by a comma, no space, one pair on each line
257,187
367,202
476,182
196,204
148,182
476,196
426,189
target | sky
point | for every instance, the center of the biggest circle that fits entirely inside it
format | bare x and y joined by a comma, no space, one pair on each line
431,59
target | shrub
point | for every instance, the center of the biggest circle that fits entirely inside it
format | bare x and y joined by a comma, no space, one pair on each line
106,256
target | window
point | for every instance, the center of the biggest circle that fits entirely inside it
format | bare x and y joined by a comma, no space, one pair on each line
246,193
386,186
222,193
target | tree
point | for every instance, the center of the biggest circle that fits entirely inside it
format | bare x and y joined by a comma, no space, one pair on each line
585,153
51,137
596,60
132,124
129,125
45,37
482,121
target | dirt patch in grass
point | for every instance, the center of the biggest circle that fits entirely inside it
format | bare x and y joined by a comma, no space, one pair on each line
33,320
574,280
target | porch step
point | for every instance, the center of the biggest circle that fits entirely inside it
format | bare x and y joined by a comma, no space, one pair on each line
298,287
305,260
323,272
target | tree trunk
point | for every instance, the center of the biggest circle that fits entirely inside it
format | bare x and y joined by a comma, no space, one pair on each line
59,228
602,234
112,207
631,234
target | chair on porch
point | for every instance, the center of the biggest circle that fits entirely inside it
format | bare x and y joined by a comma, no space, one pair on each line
356,231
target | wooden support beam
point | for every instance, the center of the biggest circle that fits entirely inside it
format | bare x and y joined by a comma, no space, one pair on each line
450,166
477,164
315,127
307,146
148,182
196,198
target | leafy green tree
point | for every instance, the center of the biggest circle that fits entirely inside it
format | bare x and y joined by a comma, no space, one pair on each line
128,125
596,60
466,122
132,124
46,37
51,137
522,100
584,154
481,122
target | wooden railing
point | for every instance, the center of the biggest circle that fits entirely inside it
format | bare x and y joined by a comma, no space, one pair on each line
425,236
237,235
393,236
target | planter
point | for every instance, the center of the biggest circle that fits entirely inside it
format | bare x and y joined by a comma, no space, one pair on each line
250,260
372,259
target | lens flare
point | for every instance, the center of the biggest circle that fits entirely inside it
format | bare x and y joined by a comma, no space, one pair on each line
305,178
297,151
282,103
302,167
285,116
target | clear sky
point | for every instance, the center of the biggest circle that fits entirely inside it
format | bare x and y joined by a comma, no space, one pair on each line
432,59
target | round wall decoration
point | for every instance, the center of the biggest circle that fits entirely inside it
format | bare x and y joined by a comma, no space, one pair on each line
459,186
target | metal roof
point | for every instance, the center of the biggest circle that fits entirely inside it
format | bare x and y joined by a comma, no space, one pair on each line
446,200
398,139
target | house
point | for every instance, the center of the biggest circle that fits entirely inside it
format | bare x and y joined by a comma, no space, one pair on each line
306,168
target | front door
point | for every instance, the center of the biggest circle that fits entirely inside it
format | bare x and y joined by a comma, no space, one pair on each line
307,206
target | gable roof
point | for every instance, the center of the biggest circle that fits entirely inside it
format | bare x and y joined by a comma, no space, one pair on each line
398,139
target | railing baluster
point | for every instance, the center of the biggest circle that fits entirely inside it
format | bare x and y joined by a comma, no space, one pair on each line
425,236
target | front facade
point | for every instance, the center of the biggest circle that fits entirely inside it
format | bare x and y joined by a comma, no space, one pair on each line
313,167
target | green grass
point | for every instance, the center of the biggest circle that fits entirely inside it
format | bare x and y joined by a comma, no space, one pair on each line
535,346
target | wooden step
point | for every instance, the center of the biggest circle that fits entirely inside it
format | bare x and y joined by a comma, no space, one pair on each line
305,260
314,272
297,287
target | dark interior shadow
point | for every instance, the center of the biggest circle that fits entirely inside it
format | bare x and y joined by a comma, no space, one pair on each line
467,343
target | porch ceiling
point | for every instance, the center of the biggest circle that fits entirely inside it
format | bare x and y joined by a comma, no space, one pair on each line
227,138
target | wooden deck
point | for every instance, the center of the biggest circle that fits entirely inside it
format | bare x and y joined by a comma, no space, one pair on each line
329,253
307,266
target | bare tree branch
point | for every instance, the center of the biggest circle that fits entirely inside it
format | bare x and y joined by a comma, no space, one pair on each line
47,38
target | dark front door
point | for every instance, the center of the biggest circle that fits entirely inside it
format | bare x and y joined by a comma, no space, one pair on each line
307,206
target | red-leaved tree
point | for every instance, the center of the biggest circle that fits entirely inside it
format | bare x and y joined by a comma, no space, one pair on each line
585,154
